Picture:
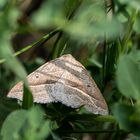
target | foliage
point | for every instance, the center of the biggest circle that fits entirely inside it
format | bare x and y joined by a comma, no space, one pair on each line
103,35
128,76
30,125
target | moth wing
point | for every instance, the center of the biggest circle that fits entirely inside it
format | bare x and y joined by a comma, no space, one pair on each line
48,73
76,87
65,80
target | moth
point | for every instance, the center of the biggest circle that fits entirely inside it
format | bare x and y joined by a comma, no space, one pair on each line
63,80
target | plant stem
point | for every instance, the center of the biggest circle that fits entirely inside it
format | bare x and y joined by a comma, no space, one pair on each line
129,31
108,118
89,131
56,52
35,44
63,49
104,63
56,46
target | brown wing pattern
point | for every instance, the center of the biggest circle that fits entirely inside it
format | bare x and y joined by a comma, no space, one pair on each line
65,80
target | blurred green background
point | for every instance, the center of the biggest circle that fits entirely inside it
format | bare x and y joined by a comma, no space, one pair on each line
103,35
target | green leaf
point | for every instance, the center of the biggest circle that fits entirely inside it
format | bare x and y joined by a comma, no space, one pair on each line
35,127
137,23
133,3
12,124
27,98
2,3
26,125
88,20
133,137
128,117
6,107
91,22
8,24
46,16
122,113
128,75
7,53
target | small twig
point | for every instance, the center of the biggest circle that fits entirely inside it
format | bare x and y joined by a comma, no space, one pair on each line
35,44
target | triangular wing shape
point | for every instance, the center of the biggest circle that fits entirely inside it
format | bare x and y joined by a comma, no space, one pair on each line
65,80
